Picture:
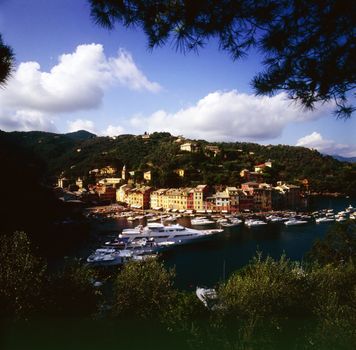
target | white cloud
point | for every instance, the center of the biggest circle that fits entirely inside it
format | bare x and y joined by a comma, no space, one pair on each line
113,130
81,124
25,120
77,82
230,116
127,73
316,141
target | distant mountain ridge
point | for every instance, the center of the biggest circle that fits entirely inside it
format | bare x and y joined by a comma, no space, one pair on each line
80,135
344,159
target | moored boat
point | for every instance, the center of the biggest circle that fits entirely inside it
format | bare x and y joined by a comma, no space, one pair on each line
254,223
177,234
294,221
201,221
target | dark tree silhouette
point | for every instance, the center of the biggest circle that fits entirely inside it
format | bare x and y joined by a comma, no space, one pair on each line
6,61
308,45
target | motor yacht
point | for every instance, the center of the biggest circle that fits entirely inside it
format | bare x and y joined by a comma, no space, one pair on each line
201,221
254,222
177,234
294,221
109,256
324,219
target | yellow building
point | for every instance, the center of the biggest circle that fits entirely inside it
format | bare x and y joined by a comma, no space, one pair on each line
180,172
177,198
108,170
157,198
139,197
172,198
147,175
121,193
79,183
199,194
189,147
110,181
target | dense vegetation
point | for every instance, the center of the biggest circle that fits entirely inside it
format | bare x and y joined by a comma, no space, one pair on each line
269,304
76,154
27,202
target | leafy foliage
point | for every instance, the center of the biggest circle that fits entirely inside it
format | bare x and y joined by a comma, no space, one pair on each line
337,247
29,289
21,277
143,290
308,46
69,292
6,61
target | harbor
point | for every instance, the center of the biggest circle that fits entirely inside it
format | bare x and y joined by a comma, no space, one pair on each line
229,246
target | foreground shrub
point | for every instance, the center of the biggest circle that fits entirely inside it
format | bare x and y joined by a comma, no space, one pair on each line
22,277
144,290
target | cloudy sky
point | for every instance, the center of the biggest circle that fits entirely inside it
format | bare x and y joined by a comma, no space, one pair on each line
71,74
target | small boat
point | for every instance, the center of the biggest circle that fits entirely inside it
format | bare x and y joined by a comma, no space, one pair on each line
254,223
273,218
232,223
108,257
350,209
324,219
294,221
222,220
207,296
201,221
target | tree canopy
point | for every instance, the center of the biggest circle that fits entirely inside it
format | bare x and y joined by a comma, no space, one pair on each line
308,46
6,61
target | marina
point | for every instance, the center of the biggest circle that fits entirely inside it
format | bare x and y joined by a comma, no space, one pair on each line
217,249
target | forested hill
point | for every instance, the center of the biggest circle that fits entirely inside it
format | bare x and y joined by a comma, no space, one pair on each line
75,154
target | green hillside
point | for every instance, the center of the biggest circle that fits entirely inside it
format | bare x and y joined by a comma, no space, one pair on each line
77,154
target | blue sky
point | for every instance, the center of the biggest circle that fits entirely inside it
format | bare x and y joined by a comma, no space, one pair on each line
72,74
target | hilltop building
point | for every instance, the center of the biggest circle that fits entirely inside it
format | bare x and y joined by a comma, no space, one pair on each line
251,176
124,173
211,149
145,136
110,181
63,182
147,175
79,183
180,172
259,168
189,147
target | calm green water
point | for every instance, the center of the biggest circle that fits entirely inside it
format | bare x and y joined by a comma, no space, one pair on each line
207,263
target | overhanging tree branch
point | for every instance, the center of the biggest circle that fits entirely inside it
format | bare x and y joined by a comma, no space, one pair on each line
309,45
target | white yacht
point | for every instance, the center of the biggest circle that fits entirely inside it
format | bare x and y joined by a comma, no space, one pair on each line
176,234
233,222
324,219
201,221
109,256
274,218
207,296
294,221
350,209
254,223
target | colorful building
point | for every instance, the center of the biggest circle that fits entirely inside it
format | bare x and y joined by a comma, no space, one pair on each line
139,197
